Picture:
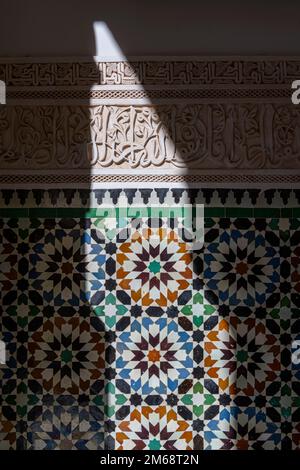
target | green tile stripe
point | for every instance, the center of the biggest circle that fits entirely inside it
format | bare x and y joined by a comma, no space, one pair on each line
296,212
214,212
267,212
78,212
286,212
14,213
98,212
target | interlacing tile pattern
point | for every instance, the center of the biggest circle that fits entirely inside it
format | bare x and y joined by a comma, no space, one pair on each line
132,340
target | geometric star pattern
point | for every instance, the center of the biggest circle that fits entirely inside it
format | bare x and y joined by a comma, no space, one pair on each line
139,341
154,266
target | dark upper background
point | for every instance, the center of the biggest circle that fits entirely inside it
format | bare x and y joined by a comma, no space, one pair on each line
150,27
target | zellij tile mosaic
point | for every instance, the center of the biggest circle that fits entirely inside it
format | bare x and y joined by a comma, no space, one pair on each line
134,339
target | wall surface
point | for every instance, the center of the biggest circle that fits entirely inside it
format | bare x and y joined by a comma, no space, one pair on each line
35,28
135,343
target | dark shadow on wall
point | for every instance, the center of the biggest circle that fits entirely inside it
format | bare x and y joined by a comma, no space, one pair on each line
53,387
154,28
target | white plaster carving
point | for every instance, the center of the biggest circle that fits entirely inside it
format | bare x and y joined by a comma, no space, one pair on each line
196,114
212,136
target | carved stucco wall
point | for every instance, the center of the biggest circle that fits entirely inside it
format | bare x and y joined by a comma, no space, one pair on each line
218,119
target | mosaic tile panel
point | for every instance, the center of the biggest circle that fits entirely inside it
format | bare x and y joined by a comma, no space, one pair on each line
138,341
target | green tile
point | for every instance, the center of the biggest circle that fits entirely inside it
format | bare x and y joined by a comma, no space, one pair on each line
42,212
92,212
209,212
267,212
76,212
208,222
214,211
296,212
295,224
286,212
239,212
274,224
14,213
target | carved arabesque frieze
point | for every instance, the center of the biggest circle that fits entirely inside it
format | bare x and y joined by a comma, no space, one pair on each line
212,114
196,71
195,136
